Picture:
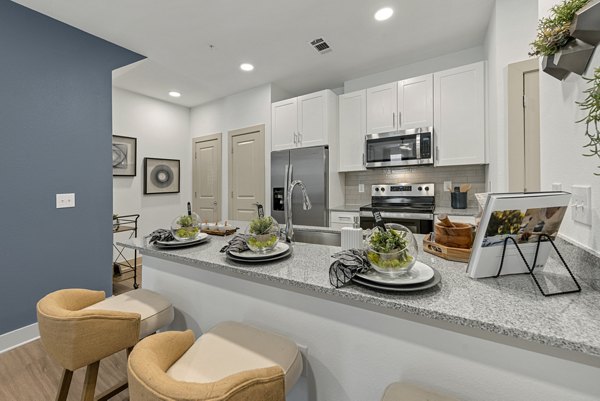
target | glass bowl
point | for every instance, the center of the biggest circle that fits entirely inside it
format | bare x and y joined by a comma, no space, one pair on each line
397,260
186,227
262,234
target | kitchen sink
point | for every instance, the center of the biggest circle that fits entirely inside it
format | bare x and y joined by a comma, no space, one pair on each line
318,237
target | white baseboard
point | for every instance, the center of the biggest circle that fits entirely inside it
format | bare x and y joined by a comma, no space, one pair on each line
18,337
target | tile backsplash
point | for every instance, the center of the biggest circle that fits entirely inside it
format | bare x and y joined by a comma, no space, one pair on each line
474,175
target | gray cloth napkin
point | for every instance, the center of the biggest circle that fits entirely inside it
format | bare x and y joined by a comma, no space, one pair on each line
237,244
160,235
348,264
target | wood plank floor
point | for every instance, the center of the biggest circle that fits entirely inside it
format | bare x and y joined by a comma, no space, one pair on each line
28,374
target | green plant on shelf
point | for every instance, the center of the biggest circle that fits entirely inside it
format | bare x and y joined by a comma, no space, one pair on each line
591,105
553,32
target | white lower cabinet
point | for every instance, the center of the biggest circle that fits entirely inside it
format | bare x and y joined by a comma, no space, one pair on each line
459,115
343,219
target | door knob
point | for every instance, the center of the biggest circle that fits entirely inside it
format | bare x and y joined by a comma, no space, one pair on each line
215,203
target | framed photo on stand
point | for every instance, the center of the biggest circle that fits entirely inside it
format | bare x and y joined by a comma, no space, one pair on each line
124,156
161,176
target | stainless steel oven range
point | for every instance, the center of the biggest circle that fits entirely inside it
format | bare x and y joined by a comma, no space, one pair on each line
411,205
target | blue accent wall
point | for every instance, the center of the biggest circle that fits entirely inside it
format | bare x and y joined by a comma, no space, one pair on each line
55,137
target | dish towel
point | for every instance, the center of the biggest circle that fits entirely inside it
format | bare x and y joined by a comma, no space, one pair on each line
160,235
237,244
348,264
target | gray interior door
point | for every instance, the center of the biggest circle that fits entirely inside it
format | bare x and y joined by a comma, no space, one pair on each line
310,165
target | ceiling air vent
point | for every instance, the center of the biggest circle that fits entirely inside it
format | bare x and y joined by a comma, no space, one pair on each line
320,45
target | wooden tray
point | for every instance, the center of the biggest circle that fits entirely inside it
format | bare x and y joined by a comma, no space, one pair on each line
446,252
219,232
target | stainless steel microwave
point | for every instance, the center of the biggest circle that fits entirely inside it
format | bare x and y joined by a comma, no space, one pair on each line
400,148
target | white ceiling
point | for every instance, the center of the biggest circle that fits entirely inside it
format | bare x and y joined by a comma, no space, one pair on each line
273,35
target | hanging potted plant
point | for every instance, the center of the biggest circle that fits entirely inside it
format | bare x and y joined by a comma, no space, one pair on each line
561,52
591,105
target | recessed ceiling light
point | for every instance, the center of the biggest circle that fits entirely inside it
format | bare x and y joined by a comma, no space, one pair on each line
246,67
383,14
174,94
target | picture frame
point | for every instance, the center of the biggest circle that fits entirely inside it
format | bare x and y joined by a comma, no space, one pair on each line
124,156
161,176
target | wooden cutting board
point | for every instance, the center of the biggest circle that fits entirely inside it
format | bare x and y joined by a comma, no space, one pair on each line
446,252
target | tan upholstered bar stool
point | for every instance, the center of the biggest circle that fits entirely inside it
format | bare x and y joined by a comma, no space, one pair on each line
410,392
80,327
231,362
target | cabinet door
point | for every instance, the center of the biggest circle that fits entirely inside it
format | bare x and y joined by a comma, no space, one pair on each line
382,105
352,130
312,119
284,124
415,102
459,115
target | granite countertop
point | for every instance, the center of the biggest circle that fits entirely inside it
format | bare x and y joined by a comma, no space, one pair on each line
471,211
509,305
346,208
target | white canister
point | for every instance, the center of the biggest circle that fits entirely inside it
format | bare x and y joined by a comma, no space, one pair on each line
352,238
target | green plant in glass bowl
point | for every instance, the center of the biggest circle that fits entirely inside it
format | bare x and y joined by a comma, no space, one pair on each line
186,227
263,234
392,252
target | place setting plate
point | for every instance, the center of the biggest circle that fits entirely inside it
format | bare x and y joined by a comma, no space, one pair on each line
202,237
282,250
419,278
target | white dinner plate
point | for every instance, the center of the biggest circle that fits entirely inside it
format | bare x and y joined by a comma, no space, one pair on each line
201,238
280,248
418,274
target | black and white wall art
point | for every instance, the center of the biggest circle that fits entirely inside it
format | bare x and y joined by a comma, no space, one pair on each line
124,157
161,176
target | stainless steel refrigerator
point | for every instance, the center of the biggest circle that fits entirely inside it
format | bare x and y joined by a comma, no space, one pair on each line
311,166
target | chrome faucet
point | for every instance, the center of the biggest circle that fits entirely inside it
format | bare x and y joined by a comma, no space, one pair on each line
289,189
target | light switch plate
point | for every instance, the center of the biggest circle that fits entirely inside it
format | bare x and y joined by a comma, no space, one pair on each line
581,204
361,187
65,200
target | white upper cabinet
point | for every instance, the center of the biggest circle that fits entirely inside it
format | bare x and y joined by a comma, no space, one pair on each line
303,121
415,102
459,115
382,106
312,119
352,130
284,127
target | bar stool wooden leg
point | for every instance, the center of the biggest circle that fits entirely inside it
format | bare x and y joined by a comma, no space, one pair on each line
89,385
65,383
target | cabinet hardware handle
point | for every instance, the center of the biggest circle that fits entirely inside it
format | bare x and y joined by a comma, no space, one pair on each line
295,139
300,138
394,119
437,154
399,119
363,158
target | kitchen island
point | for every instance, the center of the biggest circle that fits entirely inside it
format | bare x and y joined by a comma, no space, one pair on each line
493,339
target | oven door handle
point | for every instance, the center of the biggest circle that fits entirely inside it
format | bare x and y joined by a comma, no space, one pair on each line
400,215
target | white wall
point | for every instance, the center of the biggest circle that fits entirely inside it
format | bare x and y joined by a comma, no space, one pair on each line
163,131
245,109
511,29
561,144
428,66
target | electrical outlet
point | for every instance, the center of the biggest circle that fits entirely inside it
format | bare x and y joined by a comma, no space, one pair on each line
448,186
361,187
556,186
581,204
65,200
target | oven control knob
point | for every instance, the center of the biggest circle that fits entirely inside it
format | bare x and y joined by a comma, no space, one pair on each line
382,189
376,189
426,188
420,188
